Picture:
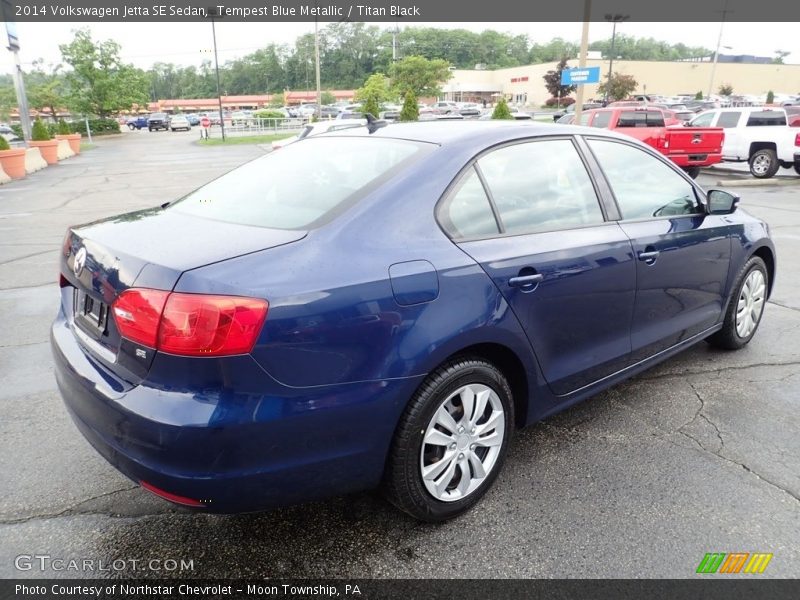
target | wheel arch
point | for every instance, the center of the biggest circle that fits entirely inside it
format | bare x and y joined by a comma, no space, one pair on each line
768,256
756,146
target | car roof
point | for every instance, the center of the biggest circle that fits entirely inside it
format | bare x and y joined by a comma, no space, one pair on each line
469,132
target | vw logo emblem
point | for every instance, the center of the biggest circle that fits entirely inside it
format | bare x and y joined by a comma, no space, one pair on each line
80,262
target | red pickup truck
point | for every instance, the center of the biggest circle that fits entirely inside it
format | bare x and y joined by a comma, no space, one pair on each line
688,147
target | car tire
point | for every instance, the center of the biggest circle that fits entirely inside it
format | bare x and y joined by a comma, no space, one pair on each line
150,129
692,172
797,168
764,163
463,463
748,297
131,126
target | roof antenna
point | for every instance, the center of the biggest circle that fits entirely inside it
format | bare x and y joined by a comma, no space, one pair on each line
374,124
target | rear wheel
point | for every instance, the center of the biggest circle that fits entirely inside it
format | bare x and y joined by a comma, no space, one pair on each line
692,172
797,168
764,163
451,441
745,307
131,126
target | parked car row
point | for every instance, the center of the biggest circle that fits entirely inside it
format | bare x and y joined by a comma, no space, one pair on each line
158,121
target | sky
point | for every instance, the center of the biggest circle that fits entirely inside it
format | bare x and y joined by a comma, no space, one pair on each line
189,43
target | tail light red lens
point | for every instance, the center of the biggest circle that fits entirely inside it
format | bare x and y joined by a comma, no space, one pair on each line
200,325
797,140
137,313
190,324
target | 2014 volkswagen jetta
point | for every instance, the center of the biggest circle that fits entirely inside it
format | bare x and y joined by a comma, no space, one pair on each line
385,306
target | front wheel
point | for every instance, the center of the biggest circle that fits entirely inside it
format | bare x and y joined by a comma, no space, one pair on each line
745,307
131,126
451,441
764,163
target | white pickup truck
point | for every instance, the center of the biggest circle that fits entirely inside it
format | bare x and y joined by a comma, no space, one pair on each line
767,138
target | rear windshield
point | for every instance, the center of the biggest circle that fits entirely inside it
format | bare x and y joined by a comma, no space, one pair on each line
302,185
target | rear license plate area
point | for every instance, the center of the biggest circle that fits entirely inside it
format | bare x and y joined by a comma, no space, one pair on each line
90,313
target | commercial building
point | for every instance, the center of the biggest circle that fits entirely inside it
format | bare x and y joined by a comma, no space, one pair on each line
524,85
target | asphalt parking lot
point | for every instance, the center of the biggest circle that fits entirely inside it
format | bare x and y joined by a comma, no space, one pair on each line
701,454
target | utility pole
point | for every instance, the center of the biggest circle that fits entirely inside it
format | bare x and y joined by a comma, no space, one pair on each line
19,81
318,112
212,12
614,19
725,12
587,15
395,31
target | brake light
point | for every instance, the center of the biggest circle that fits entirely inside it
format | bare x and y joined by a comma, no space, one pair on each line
190,324
797,140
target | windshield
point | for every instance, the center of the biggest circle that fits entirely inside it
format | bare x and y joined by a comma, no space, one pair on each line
304,184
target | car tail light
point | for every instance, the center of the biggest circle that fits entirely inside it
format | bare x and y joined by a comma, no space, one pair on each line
797,140
137,313
201,325
190,324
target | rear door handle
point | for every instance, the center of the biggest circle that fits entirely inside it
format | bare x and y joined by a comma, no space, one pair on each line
525,280
649,256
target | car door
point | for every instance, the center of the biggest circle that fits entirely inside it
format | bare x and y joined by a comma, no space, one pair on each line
683,254
529,214
734,145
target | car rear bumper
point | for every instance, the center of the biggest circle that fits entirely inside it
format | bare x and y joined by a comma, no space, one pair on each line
695,160
232,450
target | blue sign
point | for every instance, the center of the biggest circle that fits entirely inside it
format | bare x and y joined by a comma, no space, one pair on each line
580,76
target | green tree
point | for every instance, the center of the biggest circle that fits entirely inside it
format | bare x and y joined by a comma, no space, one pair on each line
410,110
698,96
62,128
419,75
501,111
726,89
779,56
277,100
374,91
100,83
618,86
770,97
552,80
327,97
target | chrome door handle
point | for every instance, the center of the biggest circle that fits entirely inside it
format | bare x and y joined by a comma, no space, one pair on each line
649,256
525,280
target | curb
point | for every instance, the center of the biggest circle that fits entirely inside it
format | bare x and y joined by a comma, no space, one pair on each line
758,182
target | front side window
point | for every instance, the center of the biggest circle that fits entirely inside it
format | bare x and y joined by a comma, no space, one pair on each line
303,183
540,186
601,119
643,185
703,120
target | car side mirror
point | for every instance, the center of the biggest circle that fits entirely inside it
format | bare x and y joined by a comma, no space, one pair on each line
721,202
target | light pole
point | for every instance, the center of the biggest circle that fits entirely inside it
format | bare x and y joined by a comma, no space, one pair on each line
614,19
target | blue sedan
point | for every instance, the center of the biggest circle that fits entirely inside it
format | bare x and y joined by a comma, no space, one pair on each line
388,316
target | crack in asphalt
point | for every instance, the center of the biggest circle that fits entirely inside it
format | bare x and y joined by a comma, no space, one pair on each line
783,305
719,370
718,452
7,262
70,511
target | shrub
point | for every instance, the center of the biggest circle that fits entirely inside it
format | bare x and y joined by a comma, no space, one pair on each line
62,128
698,96
17,129
565,101
40,132
501,111
770,97
410,110
4,144
98,126
269,114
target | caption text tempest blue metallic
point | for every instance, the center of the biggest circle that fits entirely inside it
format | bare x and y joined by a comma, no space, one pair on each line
383,306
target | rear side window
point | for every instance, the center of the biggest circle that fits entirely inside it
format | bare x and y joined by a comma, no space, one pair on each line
601,119
303,184
766,118
540,186
466,212
729,118
643,185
